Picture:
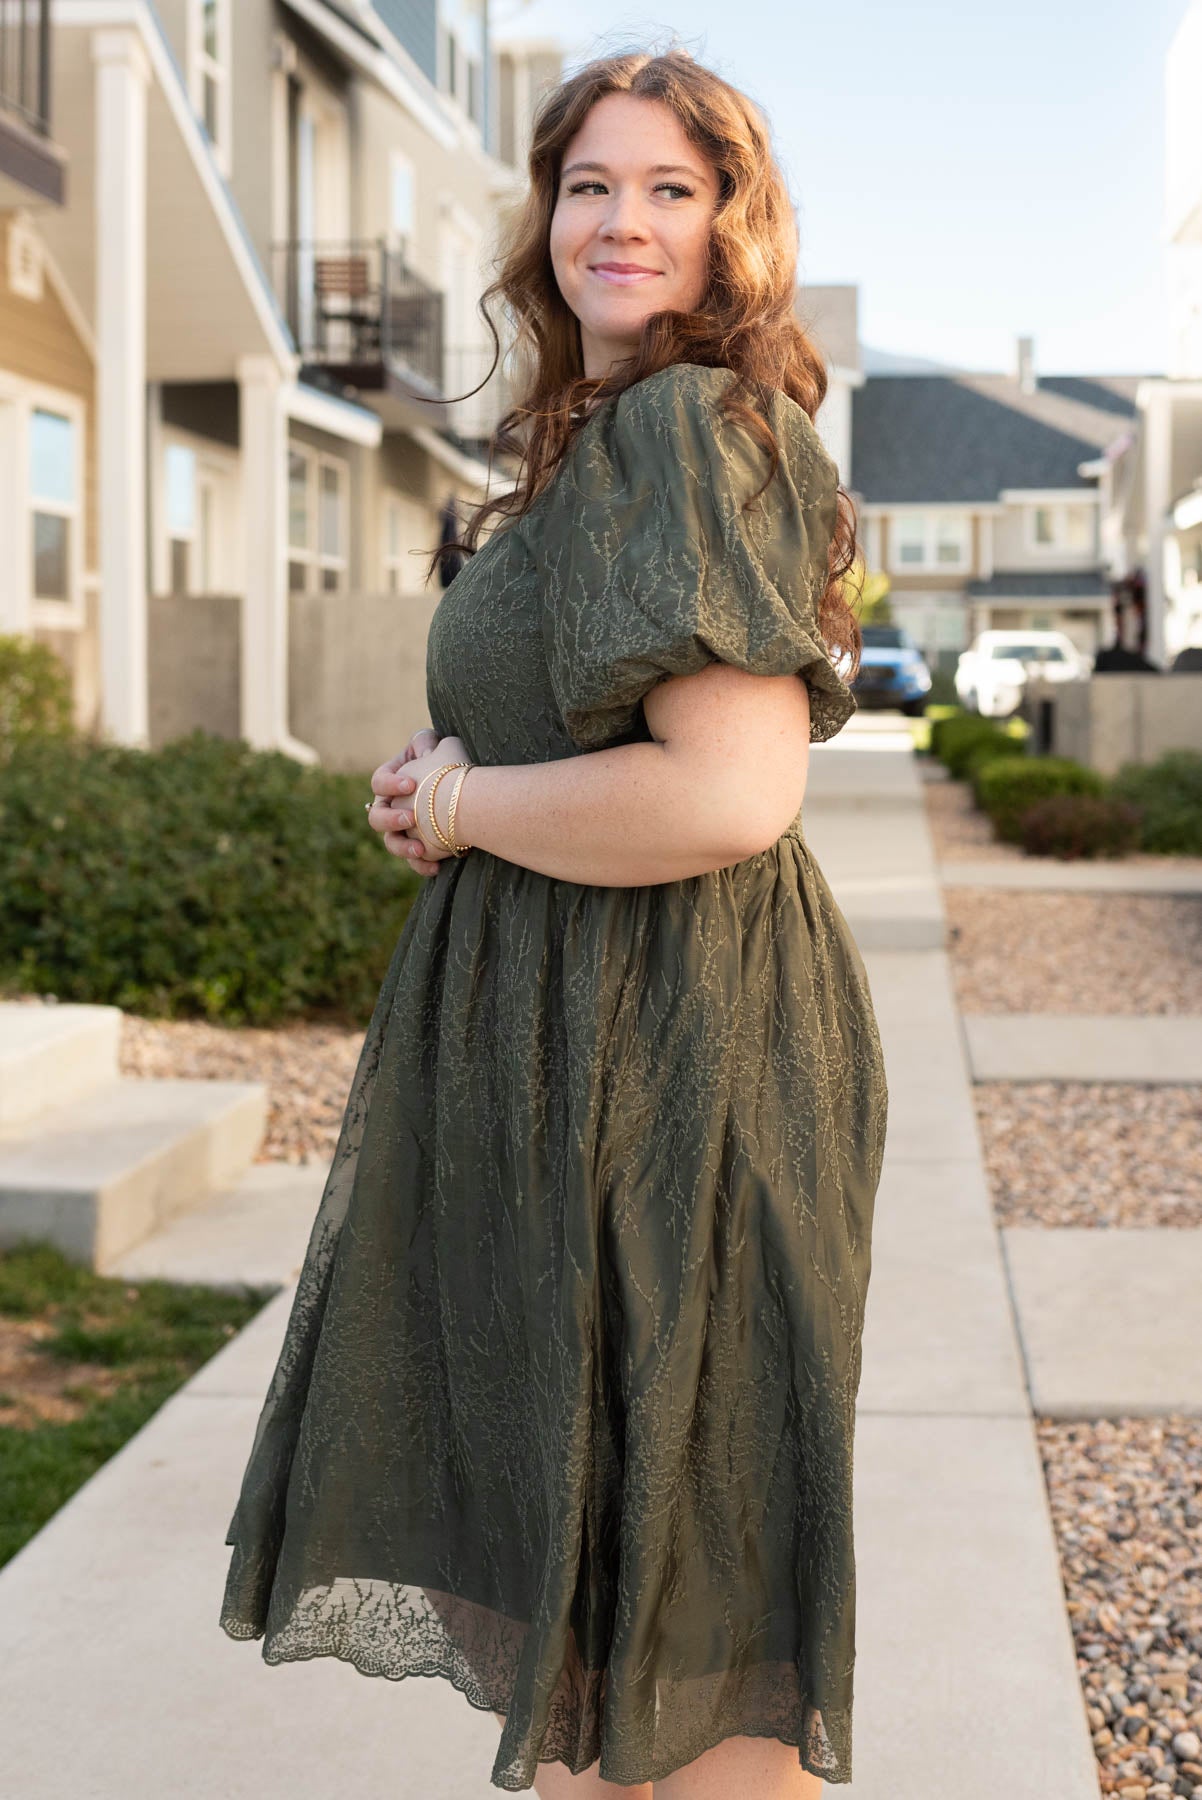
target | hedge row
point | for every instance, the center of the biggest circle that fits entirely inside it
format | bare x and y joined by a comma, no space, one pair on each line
1054,806
203,879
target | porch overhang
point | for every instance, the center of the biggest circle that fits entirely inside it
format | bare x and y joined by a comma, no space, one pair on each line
29,165
208,299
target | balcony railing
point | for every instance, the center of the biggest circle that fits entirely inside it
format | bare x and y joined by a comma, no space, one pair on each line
25,63
471,421
357,310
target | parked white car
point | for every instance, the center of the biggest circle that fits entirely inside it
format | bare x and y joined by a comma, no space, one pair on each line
992,672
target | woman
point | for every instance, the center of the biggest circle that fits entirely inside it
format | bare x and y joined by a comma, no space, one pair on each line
565,1407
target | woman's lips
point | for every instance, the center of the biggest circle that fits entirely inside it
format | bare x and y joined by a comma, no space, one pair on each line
623,275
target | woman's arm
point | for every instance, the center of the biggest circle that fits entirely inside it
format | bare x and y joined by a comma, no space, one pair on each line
723,778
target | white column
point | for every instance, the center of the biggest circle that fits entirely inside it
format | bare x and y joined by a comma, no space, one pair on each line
1158,496
264,443
122,77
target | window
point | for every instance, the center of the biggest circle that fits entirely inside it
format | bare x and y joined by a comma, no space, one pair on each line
407,530
180,499
193,479
402,207
209,72
934,540
1010,652
951,540
910,533
317,521
462,57
206,510
1067,526
54,502
394,545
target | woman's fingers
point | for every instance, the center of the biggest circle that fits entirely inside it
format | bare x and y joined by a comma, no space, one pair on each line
388,779
414,852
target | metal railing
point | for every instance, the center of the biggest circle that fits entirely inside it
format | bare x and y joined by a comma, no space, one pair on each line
25,63
471,421
356,306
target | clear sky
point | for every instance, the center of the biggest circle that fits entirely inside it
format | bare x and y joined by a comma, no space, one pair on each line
979,173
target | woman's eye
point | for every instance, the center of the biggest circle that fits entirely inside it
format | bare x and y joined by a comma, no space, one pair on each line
676,187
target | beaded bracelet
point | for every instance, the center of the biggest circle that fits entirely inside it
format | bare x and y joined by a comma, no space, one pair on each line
436,831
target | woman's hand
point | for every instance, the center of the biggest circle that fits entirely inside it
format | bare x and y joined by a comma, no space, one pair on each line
396,781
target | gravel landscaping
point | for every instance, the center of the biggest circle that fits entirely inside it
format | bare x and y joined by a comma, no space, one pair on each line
1126,1501
307,1070
958,830
1092,1153
962,833
1075,953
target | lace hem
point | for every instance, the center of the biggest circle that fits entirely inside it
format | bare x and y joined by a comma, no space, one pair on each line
394,1631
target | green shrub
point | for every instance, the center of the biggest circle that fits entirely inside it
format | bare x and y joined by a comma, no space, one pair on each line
35,694
1079,825
1006,786
204,879
962,738
1169,795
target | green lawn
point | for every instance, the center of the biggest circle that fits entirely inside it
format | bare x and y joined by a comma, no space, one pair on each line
84,1361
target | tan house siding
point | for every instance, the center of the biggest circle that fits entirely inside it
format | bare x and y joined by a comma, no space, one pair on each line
39,344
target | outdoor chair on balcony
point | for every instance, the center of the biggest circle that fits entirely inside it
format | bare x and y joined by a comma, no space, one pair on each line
347,298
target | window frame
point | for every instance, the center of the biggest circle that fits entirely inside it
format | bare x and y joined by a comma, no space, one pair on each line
216,471
316,562
393,560
1060,542
203,67
931,523
29,398
403,571
400,164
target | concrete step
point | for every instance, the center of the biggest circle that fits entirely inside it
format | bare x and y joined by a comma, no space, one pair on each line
253,1234
48,1050
1108,1319
97,1177
1161,1047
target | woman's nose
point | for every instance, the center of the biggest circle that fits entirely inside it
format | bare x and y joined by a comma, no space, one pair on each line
624,219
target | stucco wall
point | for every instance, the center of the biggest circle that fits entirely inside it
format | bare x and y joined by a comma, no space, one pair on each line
195,646
1112,719
357,674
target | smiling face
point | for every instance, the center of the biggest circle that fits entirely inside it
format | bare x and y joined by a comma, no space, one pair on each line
631,226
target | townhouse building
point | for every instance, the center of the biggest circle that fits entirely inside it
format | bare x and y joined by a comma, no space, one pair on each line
231,351
1153,513
982,498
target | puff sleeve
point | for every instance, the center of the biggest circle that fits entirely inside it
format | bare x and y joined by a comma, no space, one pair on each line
651,567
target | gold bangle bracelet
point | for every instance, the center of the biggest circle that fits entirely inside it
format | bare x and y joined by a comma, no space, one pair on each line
436,829
456,846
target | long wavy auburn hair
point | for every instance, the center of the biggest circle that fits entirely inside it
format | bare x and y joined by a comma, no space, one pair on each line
746,320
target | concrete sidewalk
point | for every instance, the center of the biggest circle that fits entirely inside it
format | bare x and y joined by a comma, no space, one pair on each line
965,1674
1048,874
1109,1318
1153,1047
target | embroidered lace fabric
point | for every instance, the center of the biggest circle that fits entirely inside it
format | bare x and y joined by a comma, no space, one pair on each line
565,1407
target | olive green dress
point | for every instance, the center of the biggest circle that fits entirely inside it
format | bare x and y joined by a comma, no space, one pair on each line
565,1408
